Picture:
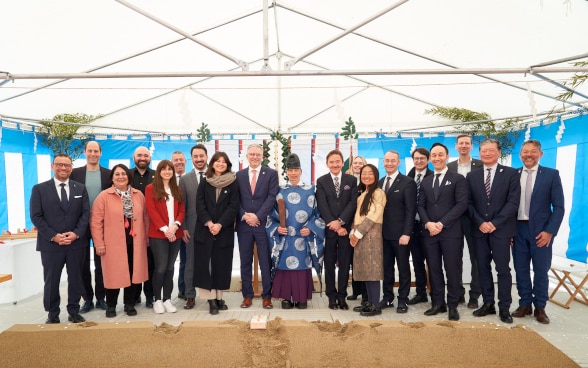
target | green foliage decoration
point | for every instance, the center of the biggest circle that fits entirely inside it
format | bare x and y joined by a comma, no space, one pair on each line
348,131
203,135
60,134
277,135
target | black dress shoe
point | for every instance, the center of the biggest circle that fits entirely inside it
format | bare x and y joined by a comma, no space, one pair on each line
505,315
453,314
484,310
343,305
51,320
352,297
87,306
473,303
212,306
301,305
386,304
371,310
286,304
402,308
220,303
76,318
111,312
333,304
130,310
418,299
361,307
436,309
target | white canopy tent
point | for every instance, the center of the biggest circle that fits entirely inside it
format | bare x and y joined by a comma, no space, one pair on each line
295,66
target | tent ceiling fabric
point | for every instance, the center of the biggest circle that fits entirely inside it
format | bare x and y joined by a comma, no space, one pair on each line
68,36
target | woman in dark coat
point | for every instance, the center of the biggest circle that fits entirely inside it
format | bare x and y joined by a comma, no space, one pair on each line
217,205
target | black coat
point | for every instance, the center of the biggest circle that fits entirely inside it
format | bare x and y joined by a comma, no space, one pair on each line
213,255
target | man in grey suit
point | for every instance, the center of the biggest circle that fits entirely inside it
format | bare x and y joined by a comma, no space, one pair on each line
494,196
60,210
464,165
539,217
189,184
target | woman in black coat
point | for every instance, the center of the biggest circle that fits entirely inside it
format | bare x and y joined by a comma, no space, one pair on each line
217,205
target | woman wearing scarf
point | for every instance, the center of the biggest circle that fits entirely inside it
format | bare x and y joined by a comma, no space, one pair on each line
119,231
217,205
164,202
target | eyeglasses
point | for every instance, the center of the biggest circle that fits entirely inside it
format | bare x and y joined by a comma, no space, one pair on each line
63,166
420,159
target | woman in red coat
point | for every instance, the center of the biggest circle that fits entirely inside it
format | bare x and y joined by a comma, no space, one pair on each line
163,200
119,230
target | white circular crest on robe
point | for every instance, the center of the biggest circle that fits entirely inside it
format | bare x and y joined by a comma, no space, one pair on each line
308,262
293,198
292,262
279,196
300,244
310,201
291,231
320,223
301,216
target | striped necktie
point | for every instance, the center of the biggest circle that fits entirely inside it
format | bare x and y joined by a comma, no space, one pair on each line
418,184
487,182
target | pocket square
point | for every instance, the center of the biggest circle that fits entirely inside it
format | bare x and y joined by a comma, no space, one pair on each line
78,196
397,190
347,187
448,182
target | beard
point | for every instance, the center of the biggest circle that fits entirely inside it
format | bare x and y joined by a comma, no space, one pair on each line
142,164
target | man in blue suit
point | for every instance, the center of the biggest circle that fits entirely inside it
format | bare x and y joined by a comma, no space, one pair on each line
258,187
540,215
494,195
442,201
60,210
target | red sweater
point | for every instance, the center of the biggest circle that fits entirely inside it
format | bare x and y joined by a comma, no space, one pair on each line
157,211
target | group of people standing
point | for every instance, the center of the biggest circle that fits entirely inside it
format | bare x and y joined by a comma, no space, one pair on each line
140,220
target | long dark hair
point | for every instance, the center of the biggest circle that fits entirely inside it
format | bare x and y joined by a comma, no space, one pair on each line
367,201
158,188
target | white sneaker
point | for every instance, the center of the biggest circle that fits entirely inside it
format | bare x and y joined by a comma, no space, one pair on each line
169,307
158,307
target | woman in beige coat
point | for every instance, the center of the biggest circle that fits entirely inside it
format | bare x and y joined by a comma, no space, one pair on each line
119,226
366,238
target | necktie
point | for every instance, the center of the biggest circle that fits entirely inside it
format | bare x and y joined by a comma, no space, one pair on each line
63,196
487,182
528,191
337,185
418,184
387,184
201,176
436,186
253,181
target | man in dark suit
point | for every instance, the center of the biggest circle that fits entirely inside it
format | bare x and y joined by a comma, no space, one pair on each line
540,215
143,175
494,195
95,178
397,228
60,210
189,184
258,187
420,170
463,165
336,195
443,199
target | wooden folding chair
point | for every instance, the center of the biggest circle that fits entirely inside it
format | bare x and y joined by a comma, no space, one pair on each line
565,273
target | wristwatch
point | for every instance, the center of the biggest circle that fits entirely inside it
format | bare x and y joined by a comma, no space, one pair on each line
341,222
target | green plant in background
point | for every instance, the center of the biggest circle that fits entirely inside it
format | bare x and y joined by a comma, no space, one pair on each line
348,131
480,126
575,81
285,141
203,135
60,134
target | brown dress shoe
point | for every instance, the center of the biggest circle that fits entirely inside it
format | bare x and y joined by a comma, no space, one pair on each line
540,316
522,311
189,303
267,303
246,302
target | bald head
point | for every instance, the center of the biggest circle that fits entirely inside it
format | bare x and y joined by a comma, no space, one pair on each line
142,158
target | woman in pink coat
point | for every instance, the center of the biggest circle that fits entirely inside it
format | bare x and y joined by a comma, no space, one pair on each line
119,226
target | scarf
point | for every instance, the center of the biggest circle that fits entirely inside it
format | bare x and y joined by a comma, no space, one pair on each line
126,200
219,182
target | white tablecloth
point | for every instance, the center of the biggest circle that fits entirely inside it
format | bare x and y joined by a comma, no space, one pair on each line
19,258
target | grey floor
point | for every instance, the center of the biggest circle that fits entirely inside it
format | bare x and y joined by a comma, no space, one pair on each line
568,330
